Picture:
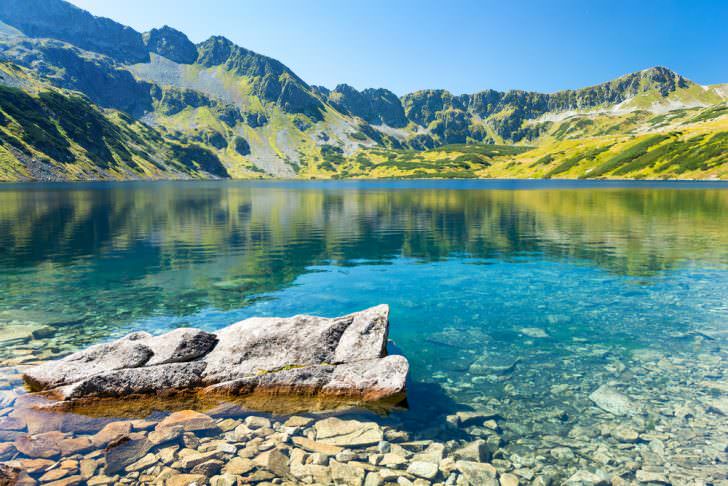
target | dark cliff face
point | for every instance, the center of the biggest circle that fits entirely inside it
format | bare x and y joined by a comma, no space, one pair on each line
422,106
58,19
376,106
172,44
514,107
66,66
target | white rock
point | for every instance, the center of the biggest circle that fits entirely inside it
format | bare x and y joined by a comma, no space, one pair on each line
611,400
425,470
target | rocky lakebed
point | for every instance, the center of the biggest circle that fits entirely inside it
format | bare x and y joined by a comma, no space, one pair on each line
325,403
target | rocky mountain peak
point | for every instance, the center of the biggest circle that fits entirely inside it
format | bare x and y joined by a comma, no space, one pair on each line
172,44
422,106
215,51
376,106
663,79
61,20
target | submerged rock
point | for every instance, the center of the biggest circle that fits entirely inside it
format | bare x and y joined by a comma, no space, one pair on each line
341,356
43,445
347,433
534,332
488,364
610,400
477,473
125,451
11,475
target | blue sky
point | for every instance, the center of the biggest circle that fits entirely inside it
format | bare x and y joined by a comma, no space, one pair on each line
463,46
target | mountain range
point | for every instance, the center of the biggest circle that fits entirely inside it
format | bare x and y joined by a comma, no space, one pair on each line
87,98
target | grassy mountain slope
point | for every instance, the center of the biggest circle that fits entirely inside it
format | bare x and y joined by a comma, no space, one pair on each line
690,145
48,133
154,98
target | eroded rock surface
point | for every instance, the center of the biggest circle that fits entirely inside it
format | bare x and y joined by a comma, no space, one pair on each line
341,356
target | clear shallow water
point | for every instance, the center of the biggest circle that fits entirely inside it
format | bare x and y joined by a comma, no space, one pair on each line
560,282
626,263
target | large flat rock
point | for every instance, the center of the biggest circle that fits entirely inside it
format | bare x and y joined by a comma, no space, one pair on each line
342,356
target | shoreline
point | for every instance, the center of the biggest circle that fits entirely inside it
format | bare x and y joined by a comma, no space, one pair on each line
718,183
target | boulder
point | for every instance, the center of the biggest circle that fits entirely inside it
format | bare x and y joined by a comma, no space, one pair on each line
179,346
260,346
372,379
341,357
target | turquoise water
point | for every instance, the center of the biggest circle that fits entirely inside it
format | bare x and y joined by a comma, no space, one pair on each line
597,269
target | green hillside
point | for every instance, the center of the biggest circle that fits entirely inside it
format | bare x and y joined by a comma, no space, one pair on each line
94,99
50,134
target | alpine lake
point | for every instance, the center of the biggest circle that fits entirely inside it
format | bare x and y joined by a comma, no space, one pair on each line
557,332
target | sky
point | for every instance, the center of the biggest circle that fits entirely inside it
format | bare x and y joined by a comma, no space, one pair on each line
460,45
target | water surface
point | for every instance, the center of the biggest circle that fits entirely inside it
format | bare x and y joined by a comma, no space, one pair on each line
559,283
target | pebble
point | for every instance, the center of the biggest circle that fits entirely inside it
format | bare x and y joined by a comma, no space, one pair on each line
254,422
625,434
425,470
507,479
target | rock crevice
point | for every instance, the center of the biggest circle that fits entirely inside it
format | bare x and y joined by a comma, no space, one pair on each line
342,356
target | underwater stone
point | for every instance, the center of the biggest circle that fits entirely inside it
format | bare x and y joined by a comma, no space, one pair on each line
125,451
613,401
347,433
